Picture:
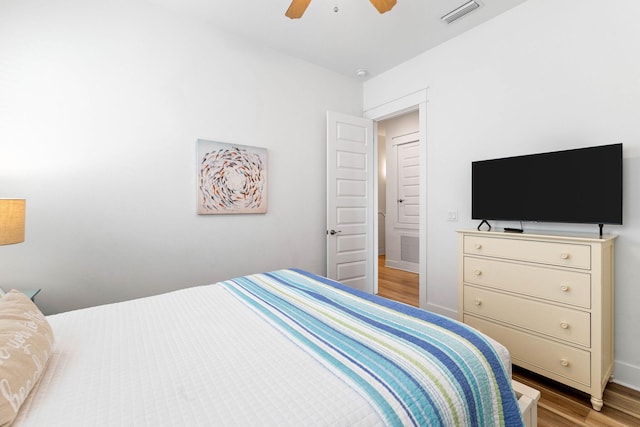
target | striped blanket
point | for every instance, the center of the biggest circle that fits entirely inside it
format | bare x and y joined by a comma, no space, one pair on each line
414,367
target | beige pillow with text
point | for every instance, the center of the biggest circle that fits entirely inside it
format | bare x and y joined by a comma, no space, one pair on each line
26,341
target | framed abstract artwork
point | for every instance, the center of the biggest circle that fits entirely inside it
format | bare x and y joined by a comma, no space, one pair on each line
232,178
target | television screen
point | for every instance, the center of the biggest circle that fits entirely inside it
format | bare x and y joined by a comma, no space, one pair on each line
583,185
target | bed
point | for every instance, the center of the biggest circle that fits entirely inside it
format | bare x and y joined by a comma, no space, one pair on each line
284,348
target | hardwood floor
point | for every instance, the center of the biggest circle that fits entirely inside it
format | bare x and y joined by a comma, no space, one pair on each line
398,285
559,405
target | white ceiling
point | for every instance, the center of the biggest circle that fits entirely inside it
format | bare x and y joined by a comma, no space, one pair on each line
356,37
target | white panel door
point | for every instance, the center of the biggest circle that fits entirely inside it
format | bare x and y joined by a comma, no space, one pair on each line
350,174
409,184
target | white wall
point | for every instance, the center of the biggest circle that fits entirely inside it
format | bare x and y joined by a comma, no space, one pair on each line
546,75
100,107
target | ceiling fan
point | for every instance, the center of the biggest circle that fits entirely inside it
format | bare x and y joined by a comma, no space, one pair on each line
297,7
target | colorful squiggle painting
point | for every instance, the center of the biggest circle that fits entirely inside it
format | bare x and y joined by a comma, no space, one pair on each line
232,178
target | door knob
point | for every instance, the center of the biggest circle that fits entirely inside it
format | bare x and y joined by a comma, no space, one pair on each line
334,232
400,200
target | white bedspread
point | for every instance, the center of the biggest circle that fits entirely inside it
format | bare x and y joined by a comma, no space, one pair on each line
195,357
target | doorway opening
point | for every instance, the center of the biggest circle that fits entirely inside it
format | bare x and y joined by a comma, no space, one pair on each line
399,207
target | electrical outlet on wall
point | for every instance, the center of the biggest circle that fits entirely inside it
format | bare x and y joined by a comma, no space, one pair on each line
452,215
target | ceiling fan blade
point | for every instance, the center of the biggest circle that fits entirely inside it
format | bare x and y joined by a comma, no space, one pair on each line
297,8
383,5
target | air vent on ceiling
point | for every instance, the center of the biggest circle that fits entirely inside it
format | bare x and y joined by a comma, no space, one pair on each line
460,11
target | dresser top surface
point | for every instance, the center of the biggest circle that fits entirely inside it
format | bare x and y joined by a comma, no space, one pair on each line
549,235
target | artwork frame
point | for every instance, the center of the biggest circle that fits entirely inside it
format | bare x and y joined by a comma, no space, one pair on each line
231,178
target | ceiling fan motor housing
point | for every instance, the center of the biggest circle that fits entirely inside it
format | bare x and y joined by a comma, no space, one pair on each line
298,7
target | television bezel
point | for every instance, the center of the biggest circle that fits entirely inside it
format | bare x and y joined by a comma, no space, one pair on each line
549,218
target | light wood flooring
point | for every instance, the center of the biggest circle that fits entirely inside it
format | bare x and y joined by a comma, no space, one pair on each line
559,405
398,285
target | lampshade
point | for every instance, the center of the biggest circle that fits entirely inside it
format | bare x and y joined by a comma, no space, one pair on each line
12,221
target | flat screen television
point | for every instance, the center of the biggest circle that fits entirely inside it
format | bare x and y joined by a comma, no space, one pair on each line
583,185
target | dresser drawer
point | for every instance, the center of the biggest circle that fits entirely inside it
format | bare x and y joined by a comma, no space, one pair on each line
558,322
533,352
567,287
552,253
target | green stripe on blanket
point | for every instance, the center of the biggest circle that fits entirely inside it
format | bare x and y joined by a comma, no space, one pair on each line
411,370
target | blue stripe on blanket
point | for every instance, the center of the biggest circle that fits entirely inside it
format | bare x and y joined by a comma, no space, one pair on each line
415,367
512,411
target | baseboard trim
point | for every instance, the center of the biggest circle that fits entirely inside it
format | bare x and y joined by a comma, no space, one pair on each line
627,375
441,310
402,265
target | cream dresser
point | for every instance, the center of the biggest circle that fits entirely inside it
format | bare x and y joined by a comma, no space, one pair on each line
547,298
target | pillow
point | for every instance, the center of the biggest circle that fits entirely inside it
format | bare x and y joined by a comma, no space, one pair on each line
26,340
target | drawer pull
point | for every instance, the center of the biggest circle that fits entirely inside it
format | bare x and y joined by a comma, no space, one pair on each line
564,288
478,302
564,362
478,246
564,325
564,255
478,272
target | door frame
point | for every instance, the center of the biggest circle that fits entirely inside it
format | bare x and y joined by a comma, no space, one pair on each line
414,101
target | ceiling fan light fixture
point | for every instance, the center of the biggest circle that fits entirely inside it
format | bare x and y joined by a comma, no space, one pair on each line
297,7
460,11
